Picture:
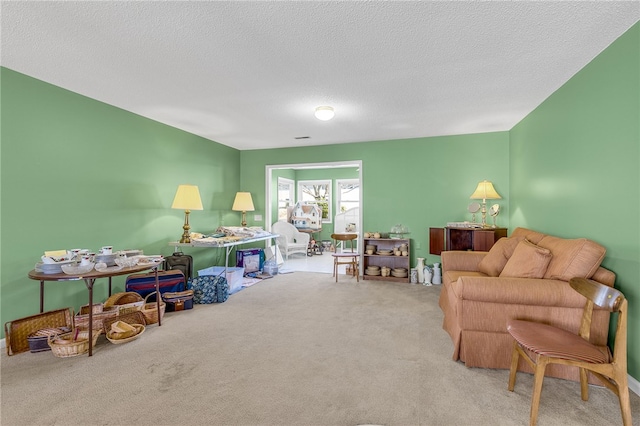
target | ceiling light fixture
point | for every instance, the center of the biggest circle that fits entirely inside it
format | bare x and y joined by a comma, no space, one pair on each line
324,113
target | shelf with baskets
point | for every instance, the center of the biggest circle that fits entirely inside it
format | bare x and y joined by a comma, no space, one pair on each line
391,253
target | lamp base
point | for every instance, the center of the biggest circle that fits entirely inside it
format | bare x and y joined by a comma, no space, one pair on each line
484,215
186,238
186,235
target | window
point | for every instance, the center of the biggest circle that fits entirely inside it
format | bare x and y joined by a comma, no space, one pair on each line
286,195
348,194
318,191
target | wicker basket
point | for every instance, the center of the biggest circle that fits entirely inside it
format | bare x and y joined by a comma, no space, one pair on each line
130,318
97,308
17,331
150,310
39,341
76,343
82,321
125,302
113,337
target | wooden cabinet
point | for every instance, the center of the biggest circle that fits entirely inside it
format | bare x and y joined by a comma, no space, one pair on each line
392,261
473,239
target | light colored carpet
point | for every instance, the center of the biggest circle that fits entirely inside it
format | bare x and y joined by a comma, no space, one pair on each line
298,349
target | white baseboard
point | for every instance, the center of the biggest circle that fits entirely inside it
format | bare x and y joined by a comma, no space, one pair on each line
3,344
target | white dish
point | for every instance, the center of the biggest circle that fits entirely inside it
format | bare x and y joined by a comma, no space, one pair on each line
48,269
77,269
54,260
124,262
150,260
102,267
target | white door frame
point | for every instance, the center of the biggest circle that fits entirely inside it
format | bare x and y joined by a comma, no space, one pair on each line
325,165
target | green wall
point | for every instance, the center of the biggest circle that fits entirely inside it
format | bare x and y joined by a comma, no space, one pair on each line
420,183
575,167
76,172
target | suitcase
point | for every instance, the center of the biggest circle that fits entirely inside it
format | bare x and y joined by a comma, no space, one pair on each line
179,301
143,284
181,261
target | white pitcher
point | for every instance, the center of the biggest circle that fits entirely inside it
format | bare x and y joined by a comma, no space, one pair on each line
437,274
428,274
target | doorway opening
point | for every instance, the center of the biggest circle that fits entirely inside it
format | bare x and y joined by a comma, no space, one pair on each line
346,192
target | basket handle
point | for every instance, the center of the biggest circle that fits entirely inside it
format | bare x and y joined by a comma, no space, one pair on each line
147,296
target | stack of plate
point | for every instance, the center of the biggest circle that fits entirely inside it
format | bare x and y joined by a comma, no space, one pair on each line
385,252
399,272
372,270
109,259
371,247
52,268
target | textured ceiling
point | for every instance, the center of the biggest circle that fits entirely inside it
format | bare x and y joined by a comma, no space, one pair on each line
250,74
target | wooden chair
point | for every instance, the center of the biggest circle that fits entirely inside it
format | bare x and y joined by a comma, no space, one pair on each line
541,344
345,258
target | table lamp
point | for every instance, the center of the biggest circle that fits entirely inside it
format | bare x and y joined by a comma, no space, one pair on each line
485,191
187,198
243,203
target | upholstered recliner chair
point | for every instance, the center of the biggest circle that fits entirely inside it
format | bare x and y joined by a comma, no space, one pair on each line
290,240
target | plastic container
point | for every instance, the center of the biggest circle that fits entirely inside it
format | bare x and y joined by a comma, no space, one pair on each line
270,267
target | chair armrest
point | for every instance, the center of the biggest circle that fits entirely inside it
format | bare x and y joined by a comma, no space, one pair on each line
461,260
301,237
282,240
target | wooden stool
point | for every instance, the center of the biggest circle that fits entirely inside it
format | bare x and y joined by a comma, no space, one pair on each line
345,258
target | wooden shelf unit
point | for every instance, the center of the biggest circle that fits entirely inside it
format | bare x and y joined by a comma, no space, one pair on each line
391,261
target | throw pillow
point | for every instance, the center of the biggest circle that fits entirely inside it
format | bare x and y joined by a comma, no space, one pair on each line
493,263
527,261
572,257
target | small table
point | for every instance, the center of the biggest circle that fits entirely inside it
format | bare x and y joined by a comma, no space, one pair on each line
318,247
89,279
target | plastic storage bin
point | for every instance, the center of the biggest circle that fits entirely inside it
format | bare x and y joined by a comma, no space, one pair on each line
270,267
235,276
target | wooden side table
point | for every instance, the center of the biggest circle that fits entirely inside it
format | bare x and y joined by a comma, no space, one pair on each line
473,239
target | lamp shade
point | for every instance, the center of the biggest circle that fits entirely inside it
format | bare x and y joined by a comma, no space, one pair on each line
187,198
485,191
243,202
